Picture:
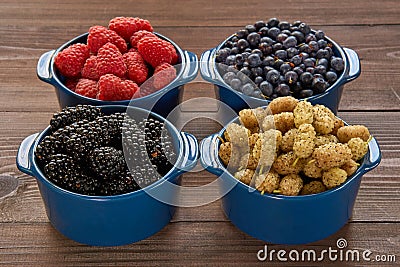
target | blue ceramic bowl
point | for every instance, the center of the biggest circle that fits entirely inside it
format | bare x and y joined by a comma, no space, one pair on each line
285,219
238,101
161,102
111,220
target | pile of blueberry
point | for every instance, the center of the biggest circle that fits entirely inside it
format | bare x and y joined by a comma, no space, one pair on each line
277,58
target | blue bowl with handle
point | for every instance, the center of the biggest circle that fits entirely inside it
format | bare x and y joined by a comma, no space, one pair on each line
285,219
112,220
161,101
238,101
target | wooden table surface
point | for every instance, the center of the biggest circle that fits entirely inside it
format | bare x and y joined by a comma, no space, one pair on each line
202,235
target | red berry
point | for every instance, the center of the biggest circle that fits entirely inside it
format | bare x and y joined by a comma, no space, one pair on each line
71,84
155,51
127,26
89,70
70,61
86,87
110,61
135,38
163,75
137,69
99,36
113,88
173,52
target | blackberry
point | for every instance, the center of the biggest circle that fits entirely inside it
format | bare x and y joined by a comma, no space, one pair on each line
63,171
50,145
70,115
106,162
119,185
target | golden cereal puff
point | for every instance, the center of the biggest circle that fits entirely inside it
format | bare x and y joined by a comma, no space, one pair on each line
290,185
306,131
245,176
283,104
350,167
288,140
358,148
267,182
313,187
303,148
345,133
331,155
303,113
334,177
288,163
311,169
237,134
337,124
284,121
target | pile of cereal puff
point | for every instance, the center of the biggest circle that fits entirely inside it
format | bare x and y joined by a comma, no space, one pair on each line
292,148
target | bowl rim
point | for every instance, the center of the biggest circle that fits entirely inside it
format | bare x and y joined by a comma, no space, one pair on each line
59,84
352,178
331,88
39,175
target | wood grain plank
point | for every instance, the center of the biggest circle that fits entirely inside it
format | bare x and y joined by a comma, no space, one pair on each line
200,244
378,80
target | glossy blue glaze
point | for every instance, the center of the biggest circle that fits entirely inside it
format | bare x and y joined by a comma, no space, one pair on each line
110,220
162,101
238,101
285,219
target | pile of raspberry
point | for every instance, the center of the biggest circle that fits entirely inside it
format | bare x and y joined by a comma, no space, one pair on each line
117,60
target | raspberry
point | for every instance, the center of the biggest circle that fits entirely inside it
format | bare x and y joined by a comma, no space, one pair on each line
99,36
71,84
86,88
136,67
110,61
111,87
135,38
89,70
70,61
127,26
163,75
155,51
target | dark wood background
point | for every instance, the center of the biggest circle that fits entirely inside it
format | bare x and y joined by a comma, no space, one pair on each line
196,236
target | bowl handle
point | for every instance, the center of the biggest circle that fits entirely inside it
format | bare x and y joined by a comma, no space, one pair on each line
354,63
190,70
24,163
43,67
207,65
374,156
190,153
208,155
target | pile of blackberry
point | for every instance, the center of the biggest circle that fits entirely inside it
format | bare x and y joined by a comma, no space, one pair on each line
276,58
84,153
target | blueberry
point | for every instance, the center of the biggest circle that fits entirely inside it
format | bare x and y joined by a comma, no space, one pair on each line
287,32
283,89
254,60
310,70
246,55
258,80
257,71
285,67
304,28
268,61
267,40
263,31
319,85
296,60
304,55
281,54
239,59
257,51
259,24
299,36
306,93
319,34
230,60
253,39
296,88
331,77
277,46
273,22
313,45
242,44
322,53
320,69
246,71
292,51
310,37
324,62
296,23
234,51
236,84
228,77
284,25
291,41
281,37
272,76
309,62
306,78
305,48
265,48
266,88
322,43
267,69
291,77
222,54
298,70
278,63
242,33
250,28
337,64
247,89
273,32
248,50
